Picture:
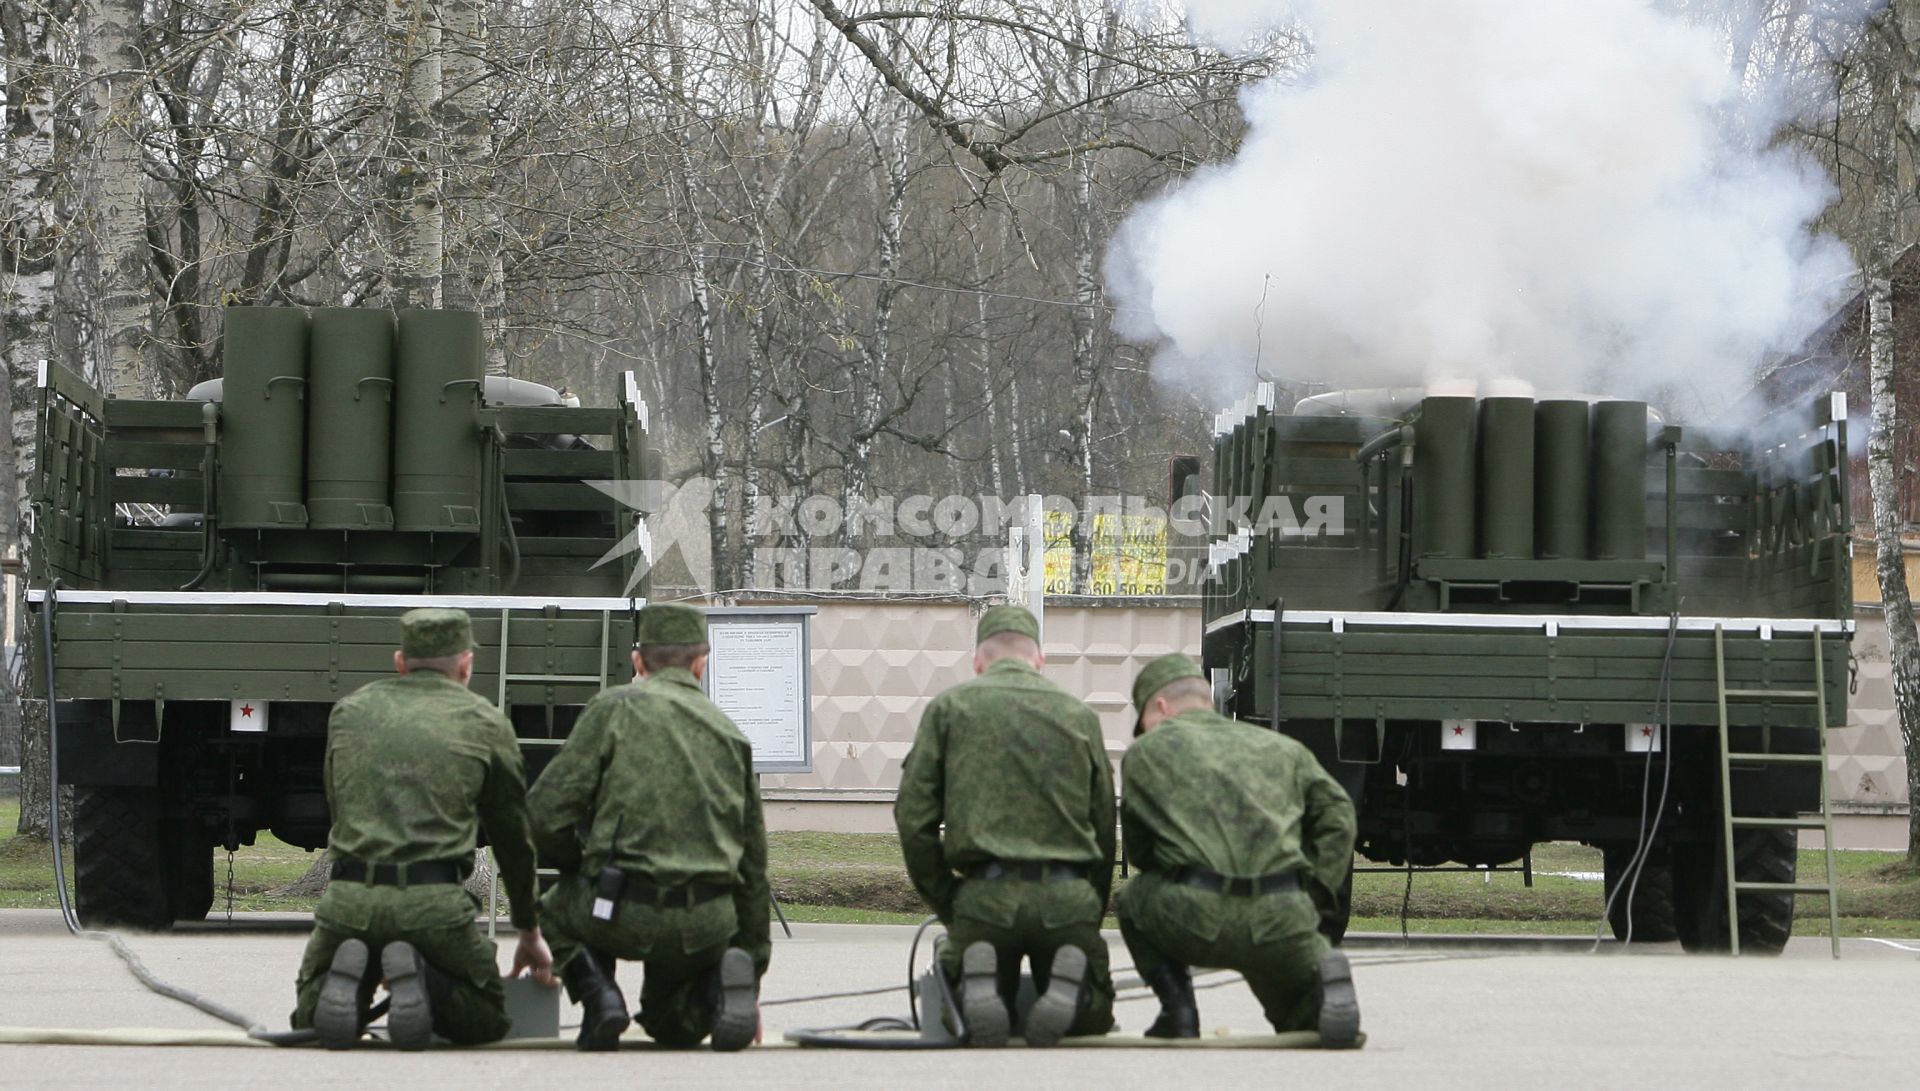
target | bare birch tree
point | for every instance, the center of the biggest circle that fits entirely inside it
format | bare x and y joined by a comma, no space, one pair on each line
476,273
114,223
417,253
1893,119
29,236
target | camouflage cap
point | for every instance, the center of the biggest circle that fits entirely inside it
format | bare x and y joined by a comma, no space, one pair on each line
1156,676
435,632
671,623
1007,619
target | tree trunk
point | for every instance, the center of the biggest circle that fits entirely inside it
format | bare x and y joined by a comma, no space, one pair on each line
413,50
1889,553
693,228
1016,445
28,239
1903,641
312,883
1089,304
110,70
876,348
476,279
983,364
35,813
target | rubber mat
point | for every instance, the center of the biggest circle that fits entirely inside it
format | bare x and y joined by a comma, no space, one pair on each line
148,1036
836,1038
818,1039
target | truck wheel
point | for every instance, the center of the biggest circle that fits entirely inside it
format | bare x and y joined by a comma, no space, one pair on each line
117,875
1700,892
1652,910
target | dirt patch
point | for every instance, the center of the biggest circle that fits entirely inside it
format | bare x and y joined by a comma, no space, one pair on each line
850,889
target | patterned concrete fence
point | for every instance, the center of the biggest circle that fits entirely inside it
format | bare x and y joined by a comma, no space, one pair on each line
876,664
1867,768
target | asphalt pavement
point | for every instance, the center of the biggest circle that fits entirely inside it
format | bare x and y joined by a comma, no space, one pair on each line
1512,1012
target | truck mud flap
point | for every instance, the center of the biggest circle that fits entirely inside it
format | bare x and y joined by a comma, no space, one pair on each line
89,756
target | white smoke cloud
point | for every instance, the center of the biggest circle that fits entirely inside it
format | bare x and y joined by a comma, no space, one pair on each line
1573,194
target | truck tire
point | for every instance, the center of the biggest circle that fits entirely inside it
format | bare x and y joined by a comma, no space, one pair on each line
118,880
189,876
1700,892
1651,913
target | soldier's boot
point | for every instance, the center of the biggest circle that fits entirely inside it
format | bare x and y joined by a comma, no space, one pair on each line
1339,1005
736,1012
1179,1015
980,1003
1056,1009
603,1011
336,1015
410,996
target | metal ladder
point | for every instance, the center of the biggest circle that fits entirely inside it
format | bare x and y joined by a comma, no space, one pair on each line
506,621
1824,823
606,646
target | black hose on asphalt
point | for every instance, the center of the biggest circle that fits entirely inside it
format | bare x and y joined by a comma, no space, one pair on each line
68,916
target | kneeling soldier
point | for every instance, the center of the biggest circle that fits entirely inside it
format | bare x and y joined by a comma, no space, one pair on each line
1015,769
415,766
1239,839
651,811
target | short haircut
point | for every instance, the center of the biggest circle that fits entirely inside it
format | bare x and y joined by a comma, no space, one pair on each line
1182,690
445,664
1008,645
659,657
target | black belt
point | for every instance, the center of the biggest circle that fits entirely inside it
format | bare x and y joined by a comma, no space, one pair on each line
686,896
1204,879
423,873
1033,871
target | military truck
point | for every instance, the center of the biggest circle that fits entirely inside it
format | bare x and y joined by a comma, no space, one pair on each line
1503,621
211,574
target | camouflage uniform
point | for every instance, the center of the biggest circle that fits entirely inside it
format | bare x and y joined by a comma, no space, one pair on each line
1203,791
416,766
656,781
1016,768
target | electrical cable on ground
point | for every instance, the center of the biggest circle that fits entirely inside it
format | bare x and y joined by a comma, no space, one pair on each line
219,1011
1406,846
1629,879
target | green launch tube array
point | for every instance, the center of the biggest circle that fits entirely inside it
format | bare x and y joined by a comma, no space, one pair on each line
1443,503
1506,477
1620,481
264,418
1562,476
350,419
437,449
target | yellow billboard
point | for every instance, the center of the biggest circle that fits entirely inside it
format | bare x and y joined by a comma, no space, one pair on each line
1129,554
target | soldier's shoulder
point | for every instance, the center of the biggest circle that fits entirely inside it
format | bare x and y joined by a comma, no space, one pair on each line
1013,685
619,696
659,699
695,703
469,700
1258,744
377,692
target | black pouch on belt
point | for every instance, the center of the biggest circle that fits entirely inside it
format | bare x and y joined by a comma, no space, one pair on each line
607,894
612,886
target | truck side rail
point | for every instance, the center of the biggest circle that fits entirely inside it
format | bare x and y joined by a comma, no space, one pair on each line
1512,668
71,517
